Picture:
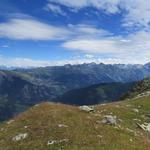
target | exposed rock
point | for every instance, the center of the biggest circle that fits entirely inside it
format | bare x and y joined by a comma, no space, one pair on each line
20,136
112,120
25,127
99,136
135,110
10,121
131,140
86,108
145,126
51,142
137,120
64,140
147,116
62,126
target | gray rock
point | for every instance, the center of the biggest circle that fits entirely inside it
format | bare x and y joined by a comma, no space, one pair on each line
20,136
147,116
145,126
10,121
135,110
86,108
109,119
51,142
62,126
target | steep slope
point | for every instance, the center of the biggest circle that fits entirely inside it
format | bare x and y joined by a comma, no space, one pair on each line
141,88
55,126
95,94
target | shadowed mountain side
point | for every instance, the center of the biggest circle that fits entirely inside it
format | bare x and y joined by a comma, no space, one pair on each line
95,94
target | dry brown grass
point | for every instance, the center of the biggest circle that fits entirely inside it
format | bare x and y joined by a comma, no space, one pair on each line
83,131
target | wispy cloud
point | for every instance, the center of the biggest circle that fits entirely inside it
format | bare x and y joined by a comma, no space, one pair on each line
136,12
5,46
56,9
30,29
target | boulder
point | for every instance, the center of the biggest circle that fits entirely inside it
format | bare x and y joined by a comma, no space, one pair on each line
20,136
109,119
86,108
145,126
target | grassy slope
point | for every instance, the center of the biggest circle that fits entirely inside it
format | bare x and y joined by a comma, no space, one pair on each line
83,131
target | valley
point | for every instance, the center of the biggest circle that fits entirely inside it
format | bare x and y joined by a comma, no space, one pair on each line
84,84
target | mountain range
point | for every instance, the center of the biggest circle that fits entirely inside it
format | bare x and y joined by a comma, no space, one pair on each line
23,88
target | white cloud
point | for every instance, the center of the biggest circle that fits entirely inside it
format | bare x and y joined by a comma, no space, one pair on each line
109,6
134,47
55,9
89,56
136,12
24,29
30,29
71,3
83,30
86,31
92,45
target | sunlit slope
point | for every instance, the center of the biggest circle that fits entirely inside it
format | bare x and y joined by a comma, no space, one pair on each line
51,126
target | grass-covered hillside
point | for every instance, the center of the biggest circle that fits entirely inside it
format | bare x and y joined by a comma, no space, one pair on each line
51,126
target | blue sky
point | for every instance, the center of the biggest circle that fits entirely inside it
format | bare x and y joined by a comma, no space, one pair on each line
57,32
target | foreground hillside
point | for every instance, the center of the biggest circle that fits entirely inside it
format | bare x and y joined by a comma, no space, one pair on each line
60,127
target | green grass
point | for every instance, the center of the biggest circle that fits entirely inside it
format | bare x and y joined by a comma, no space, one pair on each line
83,131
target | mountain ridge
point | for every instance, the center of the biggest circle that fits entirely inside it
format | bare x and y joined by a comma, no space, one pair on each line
23,88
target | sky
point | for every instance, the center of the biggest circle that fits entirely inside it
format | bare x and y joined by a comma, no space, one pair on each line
57,32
